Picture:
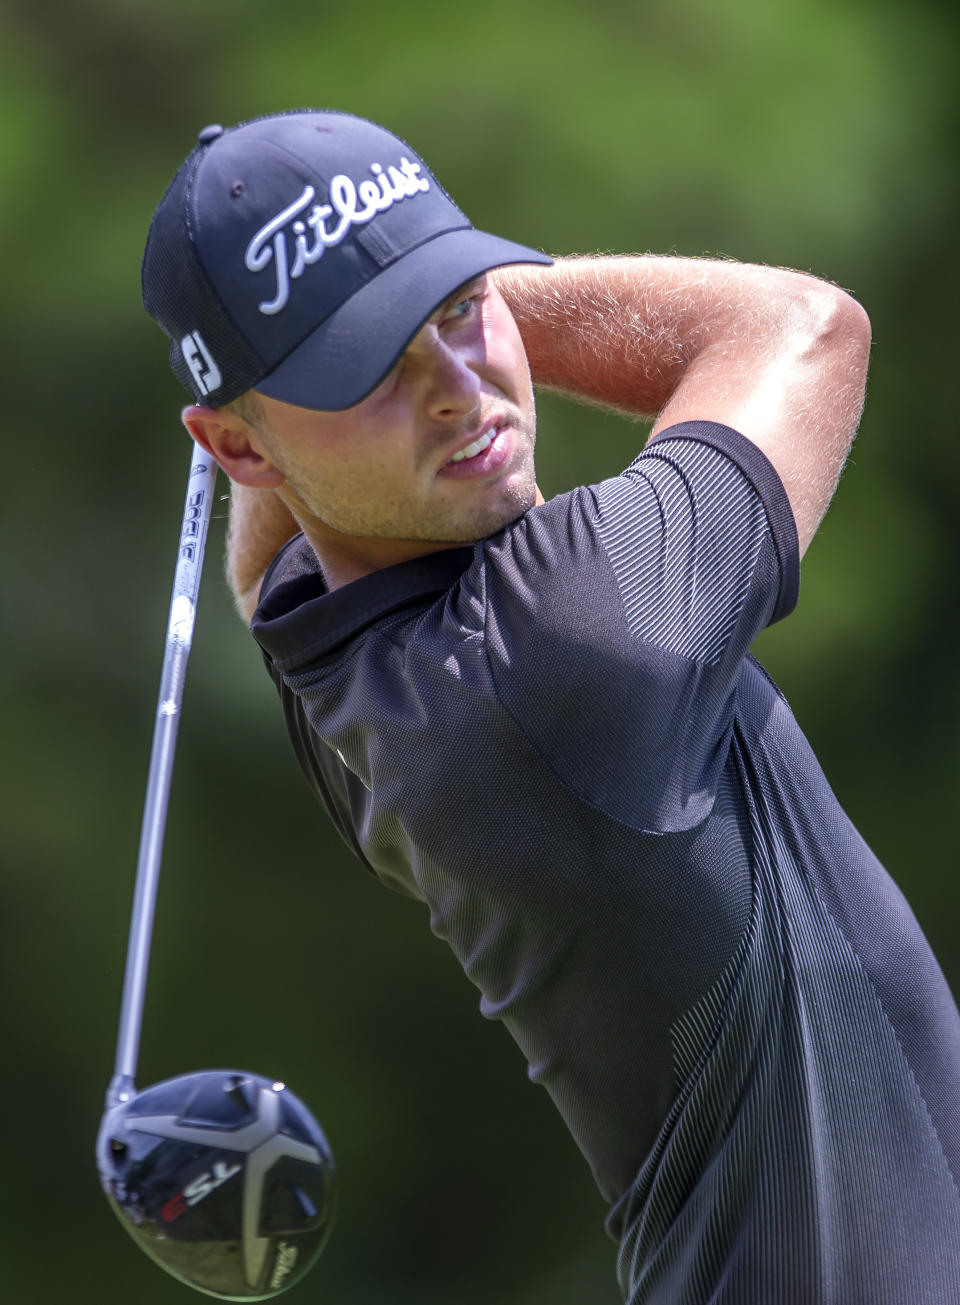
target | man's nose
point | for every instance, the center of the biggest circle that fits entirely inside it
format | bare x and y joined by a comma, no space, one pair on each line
452,386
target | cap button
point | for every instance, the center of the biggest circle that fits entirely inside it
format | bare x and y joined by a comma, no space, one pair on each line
209,133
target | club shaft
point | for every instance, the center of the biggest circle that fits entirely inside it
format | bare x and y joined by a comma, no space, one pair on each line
183,605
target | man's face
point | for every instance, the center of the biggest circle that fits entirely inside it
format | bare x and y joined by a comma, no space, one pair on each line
441,450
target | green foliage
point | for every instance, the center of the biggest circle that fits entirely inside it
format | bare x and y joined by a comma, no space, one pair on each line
820,134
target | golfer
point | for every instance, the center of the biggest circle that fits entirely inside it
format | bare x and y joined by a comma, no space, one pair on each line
542,719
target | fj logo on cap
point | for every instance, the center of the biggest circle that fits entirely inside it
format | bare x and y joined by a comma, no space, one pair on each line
353,204
198,358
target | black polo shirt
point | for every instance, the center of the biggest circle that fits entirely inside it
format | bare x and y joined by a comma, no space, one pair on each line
557,740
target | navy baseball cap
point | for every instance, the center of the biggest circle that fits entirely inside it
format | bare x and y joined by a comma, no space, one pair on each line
298,254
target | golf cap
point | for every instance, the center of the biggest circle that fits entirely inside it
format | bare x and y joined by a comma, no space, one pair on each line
298,255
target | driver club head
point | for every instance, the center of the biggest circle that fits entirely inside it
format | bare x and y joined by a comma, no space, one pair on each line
223,1177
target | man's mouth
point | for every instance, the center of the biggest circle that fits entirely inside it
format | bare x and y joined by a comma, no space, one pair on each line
478,446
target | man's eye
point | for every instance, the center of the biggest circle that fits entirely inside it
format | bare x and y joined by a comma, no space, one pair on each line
469,305
461,308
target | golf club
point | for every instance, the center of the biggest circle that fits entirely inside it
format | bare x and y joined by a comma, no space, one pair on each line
223,1177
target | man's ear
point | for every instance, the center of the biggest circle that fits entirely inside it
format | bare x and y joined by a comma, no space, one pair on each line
233,445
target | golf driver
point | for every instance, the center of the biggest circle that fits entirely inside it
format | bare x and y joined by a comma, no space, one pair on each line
221,1176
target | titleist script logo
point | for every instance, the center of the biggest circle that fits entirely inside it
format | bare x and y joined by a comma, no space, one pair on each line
353,205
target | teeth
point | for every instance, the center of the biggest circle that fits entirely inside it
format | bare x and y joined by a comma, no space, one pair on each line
476,447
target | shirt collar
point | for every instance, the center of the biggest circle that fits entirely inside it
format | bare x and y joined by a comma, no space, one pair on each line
298,622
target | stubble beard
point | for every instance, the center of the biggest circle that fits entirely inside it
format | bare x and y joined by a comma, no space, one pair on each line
442,523
514,496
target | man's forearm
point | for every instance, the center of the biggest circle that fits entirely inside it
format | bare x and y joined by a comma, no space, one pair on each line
603,328
259,525
623,330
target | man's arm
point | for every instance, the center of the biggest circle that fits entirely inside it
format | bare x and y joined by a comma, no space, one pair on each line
778,355
259,525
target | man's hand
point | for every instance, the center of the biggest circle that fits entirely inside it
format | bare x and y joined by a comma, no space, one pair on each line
778,355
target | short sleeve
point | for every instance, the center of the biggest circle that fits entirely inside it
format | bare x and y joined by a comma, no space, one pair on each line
618,618
684,527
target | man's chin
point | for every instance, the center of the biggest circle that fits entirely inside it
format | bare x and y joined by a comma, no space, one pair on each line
508,508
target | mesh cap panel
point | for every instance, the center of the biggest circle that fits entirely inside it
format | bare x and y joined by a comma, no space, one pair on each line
176,289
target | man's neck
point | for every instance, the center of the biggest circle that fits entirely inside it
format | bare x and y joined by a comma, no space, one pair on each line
345,558
341,565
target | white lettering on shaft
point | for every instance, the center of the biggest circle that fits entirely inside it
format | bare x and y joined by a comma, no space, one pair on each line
353,204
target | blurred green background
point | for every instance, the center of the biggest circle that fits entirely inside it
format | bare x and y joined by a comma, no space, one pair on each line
819,134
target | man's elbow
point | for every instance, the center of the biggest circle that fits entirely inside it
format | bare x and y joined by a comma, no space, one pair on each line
840,329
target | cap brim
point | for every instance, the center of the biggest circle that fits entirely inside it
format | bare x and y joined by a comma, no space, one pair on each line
348,355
